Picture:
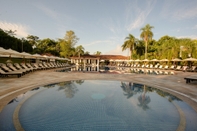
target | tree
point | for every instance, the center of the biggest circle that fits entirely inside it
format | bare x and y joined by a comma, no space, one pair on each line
79,50
65,48
7,40
146,35
139,49
33,40
47,46
97,53
87,53
129,43
67,44
71,38
10,32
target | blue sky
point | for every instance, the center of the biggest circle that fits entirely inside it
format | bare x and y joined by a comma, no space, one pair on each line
101,25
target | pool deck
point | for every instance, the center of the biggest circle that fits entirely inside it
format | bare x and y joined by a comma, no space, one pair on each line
174,84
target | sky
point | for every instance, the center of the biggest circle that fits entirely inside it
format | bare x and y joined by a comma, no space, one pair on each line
100,25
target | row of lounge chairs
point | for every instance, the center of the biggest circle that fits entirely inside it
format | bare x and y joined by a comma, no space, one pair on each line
25,68
158,69
161,67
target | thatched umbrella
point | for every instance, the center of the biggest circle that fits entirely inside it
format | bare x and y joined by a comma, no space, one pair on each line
176,59
190,60
145,60
164,60
137,60
154,60
4,51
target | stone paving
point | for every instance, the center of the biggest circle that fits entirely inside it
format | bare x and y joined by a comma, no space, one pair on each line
174,84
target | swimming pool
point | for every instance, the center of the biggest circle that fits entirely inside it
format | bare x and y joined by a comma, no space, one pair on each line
98,105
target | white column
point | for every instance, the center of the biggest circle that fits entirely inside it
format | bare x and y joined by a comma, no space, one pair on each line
97,62
84,62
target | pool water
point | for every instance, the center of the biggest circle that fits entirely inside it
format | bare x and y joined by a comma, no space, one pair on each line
98,105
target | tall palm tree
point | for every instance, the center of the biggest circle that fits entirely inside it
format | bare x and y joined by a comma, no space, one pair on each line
146,35
129,43
97,53
80,50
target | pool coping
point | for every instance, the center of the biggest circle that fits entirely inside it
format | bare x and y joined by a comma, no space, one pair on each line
174,84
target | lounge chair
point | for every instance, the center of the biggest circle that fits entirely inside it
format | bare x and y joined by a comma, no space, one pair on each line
46,65
156,66
178,68
25,67
5,74
160,67
184,68
192,69
147,66
156,72
134,66
172,67
7,69
21,68
33,67
151,66
10,65
53,64
50,65
165,67
142,66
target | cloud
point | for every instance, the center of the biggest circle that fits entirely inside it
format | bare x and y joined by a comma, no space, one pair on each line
21,30
179,10
117,51
138,14
190,36
195,27
98,42
49,12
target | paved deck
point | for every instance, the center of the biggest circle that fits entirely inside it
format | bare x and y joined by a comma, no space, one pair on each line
174,84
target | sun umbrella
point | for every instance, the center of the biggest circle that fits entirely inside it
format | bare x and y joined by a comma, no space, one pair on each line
145,60
154,60
131,60
13,52
26,55
176,59
164,60
4,51
137,60
190,59
9,52
37,56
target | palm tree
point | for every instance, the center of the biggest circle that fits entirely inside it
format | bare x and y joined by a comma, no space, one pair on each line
79,50
129,43
146,35
97,53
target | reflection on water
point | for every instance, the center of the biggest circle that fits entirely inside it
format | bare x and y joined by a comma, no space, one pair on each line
131,89
102,69
144,99
98,105
69,88
85,68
